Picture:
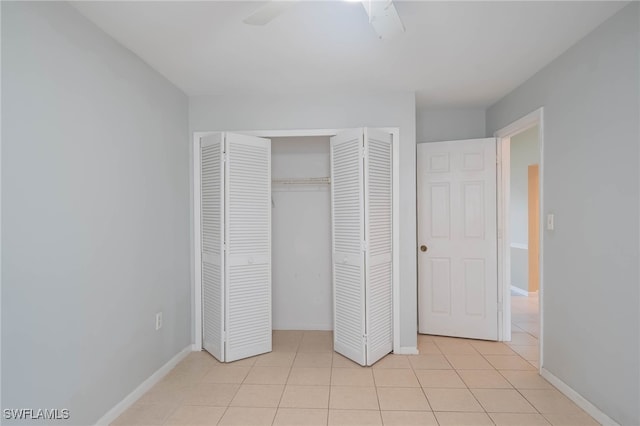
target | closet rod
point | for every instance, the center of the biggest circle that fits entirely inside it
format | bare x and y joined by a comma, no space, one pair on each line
302,181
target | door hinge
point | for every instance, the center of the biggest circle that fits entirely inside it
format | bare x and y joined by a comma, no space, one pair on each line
225,157
224,336
224,246
365,246
365,339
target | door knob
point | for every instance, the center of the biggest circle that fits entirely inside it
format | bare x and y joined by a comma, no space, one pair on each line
423,248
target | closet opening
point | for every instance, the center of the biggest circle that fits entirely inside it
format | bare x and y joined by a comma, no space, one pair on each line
295,233
302,288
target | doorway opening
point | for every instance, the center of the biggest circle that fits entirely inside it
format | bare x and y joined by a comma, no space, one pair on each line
520,235
524,240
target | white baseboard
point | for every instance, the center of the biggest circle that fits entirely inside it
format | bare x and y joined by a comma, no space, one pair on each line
128,401
195,348
407,350
519,291
579,400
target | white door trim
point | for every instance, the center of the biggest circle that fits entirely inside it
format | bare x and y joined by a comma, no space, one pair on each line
197,255
504,258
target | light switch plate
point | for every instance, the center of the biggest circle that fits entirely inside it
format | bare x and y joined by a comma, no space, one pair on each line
158,321
550,224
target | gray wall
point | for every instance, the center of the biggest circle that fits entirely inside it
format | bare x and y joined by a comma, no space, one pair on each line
525,151
335,111
520,268
447,124
95,215
301,236
590,96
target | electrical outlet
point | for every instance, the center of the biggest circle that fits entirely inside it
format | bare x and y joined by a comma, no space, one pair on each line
158,321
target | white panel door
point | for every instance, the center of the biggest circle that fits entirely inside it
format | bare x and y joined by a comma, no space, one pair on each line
347,213
248,246
457,238
378,194
211,226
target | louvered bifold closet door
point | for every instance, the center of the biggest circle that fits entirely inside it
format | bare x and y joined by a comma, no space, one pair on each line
248,246
379,240
211,225
347,207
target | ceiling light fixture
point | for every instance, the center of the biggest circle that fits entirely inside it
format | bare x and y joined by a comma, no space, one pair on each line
382,14
384,18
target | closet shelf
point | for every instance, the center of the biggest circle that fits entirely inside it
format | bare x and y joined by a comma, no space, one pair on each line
302,181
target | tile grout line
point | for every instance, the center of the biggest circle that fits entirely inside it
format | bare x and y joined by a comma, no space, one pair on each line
457,371
173,411
516,389
287,379
235,393
375,386
469,389
283,389
330,377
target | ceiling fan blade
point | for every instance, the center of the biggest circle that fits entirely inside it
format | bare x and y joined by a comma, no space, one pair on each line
268,12
384,18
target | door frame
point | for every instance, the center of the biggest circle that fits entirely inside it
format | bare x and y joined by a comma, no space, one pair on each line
196,238
504,251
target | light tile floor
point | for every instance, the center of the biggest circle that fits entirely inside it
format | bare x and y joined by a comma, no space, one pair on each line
525,327
303,382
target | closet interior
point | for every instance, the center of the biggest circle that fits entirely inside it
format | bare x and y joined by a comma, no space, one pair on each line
302,289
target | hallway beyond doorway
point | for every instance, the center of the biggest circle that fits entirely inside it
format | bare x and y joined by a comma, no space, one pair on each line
525,327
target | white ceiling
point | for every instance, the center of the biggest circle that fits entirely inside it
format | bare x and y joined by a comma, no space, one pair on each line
462,54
